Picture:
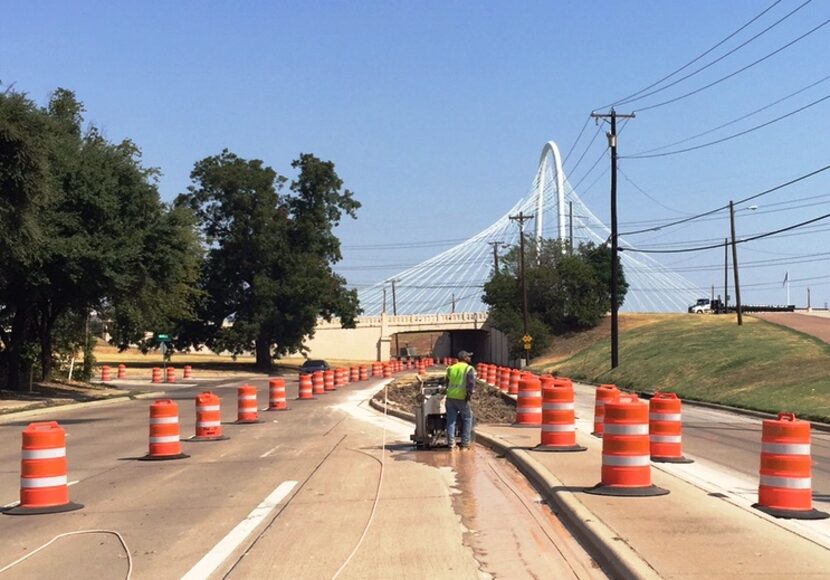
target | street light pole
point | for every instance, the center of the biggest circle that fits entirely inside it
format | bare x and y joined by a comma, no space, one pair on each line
735,265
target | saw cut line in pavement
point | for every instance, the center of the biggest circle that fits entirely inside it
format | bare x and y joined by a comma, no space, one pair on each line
282,507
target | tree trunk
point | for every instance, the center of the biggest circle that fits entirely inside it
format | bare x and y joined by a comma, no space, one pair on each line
45,350
16,344
263,352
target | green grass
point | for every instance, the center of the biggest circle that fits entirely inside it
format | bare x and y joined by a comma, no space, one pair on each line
757,366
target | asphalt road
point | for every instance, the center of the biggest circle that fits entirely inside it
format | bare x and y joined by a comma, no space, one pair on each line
289,497
731,443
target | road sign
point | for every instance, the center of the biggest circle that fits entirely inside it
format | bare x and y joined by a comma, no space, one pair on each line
527,339
163,337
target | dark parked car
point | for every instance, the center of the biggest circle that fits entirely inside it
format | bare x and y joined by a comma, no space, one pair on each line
311,366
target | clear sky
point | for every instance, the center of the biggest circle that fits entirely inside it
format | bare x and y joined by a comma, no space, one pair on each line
435,112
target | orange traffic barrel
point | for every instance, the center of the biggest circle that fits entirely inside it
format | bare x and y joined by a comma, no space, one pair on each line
165,442
317,383
340,377
171,375
785,488
513,385
354,374
558,426
504,379
246,404
208,418
105,373
122,372
603,395
328,380
387,371
187,373
491,375
156,375
363,373
306,389
665,427
626,461
529,401
276,395
43,478
377,369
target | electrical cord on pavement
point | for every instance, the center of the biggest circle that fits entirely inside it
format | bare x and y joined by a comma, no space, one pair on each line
377,493
77,533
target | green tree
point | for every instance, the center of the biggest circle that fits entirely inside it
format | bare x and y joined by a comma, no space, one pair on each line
268,273
103,239
567,291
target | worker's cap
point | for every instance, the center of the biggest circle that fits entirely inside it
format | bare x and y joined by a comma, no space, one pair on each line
464,354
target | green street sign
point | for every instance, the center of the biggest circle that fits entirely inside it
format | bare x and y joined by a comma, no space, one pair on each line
163,337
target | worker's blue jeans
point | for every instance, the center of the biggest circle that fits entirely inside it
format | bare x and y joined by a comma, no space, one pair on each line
456,408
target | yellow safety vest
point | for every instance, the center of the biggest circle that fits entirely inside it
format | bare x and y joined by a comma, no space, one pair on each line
457,380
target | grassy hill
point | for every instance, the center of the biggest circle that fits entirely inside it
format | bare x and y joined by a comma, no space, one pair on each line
709,358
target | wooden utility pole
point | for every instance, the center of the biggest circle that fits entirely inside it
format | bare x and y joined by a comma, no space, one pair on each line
615,298
521,219
735,265
725,274
395,313
383,310
495,256
452,305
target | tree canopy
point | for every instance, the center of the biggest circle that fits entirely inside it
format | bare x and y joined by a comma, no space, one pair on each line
567,290
270,247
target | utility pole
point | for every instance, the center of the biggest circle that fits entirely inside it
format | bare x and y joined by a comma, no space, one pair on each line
452,305
735,264
395,313
571,225
521,219
808,299
713,294
615,299
495,255
383,310
725,274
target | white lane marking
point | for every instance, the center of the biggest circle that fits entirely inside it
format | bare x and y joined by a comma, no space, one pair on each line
17,503
213,559
269,452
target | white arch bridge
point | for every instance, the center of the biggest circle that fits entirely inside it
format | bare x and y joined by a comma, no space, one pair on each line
451,282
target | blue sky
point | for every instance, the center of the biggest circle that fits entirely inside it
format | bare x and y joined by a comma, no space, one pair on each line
434,112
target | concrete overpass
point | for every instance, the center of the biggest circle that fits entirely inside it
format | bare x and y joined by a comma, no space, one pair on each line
373,337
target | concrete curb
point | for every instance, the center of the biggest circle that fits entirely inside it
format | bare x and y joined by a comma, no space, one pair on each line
612,552
24,414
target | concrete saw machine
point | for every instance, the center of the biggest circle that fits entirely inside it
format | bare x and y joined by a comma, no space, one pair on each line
430,416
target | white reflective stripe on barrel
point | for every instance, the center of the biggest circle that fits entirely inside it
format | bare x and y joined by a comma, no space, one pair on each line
664,416
165,439
207,408
278,397
786,448
615,429
163,420
34,482
665,438
528,410
788,482
558,406
247,397
626,460
53,453
557,428
208,423
528,394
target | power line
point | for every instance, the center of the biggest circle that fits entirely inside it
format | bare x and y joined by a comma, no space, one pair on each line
723,207
632,96
737,72
729,137
741,241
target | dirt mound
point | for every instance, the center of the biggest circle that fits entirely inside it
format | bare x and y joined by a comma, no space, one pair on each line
488,404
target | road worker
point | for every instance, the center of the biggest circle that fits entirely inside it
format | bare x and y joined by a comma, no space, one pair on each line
461,382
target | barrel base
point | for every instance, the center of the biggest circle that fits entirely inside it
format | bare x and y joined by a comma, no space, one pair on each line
812,514
680,459
559,448
644,491
597,435
526,426
305,398
286,409
240,422
195,439
52,509
163,457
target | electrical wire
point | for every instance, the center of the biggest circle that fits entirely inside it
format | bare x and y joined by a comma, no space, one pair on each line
737,72
729,137
631,98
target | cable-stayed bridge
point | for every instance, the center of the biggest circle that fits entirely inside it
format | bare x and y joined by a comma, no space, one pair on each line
452,280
